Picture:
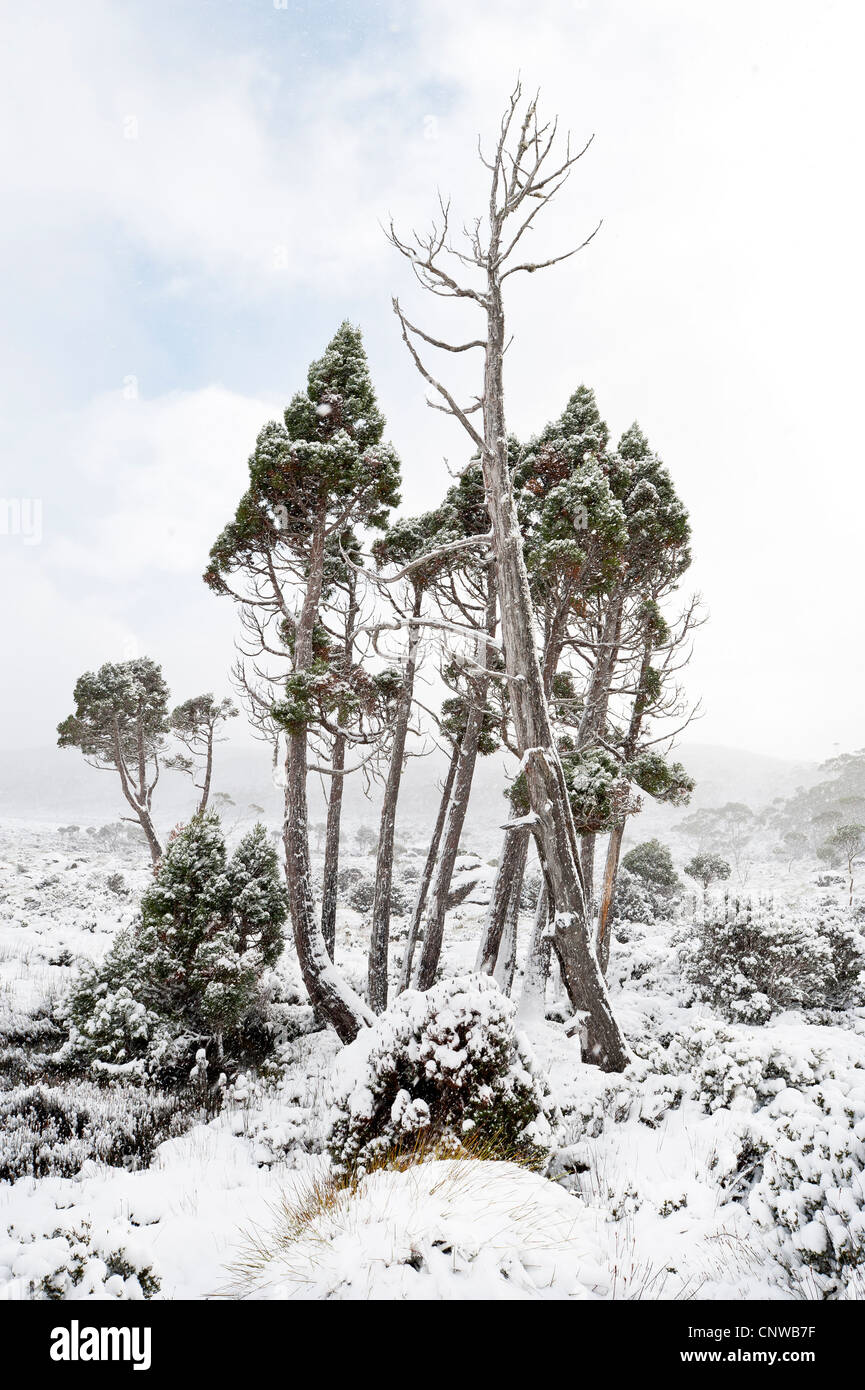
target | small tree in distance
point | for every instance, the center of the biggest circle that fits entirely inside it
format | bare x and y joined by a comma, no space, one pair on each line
848,843
121,722
653,863
195,724
708,869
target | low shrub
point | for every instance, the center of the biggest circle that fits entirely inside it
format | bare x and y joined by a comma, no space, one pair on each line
750,960
55,1130
192,970
444,1065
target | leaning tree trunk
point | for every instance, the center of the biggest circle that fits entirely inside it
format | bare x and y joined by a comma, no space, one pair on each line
512,861
435,918
146,822
330,873
328,991
208,773
434,923
506,964
611,869
426,876
534,989
509,883
138,800
617,835
380,934
551,820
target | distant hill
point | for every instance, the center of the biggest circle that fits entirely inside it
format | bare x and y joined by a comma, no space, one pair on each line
50,784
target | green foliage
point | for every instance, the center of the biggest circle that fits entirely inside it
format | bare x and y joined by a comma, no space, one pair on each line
751,960
454,718
592,776
442,1066
652,863
667,783
707,869
118,709
323,465
190,971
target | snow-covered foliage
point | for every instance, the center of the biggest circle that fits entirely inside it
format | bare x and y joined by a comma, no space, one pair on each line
57,1129
445,1066
76,1262
361,895
634,900
725,1163
751,960
190,973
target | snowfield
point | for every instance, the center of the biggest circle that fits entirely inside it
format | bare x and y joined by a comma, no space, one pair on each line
726,1163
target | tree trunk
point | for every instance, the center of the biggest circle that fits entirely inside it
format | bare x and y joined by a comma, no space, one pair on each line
587,864
208,774
426,876
380,934
435,918
509,881
598,693
139,803
478,689
552,822
537,963
611,869
506,963
330,874
614,846
328,991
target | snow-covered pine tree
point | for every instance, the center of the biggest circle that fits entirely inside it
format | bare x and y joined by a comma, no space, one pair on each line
188,973
313,476
121,722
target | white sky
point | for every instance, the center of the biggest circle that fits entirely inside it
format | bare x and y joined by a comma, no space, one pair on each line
167,291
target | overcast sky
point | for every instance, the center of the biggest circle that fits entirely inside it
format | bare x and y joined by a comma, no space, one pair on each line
192,198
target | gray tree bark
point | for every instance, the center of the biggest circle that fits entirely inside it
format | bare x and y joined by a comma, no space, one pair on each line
515,178
509,881
330,873
380,933
428,869
435,917
328,990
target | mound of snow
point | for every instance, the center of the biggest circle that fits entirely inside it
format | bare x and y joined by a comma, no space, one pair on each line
447,1229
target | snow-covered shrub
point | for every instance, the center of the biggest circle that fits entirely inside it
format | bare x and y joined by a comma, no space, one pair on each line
437,1068
633,902
846,984
750,960
116,883
348,876
361,895
652,863
811,1193
56,1129
191,971
77,1263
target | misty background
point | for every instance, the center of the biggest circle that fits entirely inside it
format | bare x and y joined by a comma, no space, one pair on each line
192,204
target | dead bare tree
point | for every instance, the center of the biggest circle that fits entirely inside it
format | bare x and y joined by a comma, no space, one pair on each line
526,175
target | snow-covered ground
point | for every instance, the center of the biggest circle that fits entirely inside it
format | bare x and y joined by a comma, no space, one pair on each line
670,1181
